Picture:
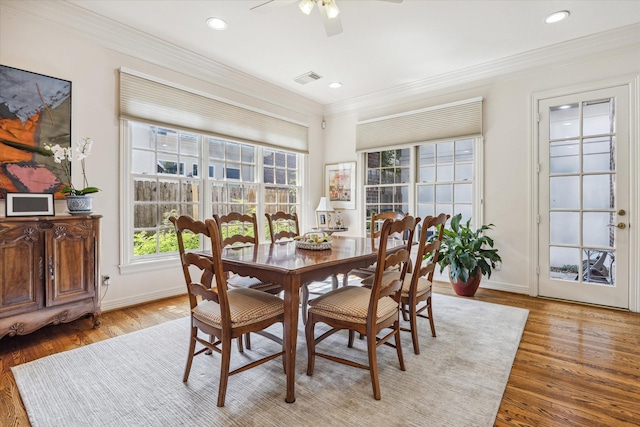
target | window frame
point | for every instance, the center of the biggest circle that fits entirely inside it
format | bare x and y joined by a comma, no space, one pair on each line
129,262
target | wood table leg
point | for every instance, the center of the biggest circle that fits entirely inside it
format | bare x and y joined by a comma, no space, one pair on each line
291,309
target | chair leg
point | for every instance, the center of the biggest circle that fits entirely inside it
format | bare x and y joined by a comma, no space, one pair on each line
345,279
311,345
372,349
192,349
396,327
304,289
334,281
352,334
240,347
413,322
430,312
247,340
225,362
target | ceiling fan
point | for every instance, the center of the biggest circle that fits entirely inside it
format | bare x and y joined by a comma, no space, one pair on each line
328,10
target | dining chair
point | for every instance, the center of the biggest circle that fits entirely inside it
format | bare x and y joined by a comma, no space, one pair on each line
237,230
376,227
417,285
218,311
368,311
284,226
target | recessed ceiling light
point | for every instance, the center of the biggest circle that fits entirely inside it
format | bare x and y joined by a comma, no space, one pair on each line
335,85
557,16
217,24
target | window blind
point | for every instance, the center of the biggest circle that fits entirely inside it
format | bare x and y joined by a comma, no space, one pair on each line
152,101
463,118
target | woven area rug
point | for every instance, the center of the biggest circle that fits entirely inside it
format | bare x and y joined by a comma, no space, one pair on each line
136,379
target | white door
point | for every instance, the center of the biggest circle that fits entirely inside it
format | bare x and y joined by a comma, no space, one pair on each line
584,197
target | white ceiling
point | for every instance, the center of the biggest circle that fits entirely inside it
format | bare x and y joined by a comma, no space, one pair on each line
383,45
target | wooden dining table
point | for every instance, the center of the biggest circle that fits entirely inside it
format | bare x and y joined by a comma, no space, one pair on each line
292,267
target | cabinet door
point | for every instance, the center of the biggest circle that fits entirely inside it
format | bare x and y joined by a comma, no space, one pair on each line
21,268
71,262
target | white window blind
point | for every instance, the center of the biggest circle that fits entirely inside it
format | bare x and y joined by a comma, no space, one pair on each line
160,103
463,118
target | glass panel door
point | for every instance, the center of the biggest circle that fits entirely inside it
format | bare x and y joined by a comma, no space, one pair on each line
584,197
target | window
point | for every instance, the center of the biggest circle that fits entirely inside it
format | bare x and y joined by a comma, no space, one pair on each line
164,181
280,175
443,180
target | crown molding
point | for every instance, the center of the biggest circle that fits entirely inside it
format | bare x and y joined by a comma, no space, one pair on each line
80,23
613,42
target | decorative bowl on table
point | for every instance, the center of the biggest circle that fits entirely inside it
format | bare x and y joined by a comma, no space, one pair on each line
316,241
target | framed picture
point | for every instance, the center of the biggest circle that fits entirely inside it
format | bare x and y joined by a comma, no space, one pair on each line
30,204
341,185
322,219
34,109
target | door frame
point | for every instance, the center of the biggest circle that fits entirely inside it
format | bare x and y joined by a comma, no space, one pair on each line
633,85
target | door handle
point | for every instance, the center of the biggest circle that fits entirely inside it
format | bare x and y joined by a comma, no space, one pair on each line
620,225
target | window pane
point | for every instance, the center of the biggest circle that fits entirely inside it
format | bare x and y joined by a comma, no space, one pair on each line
564,192
596,230
144,190
427,174
564,121
216,148
167,141
445,172
564,263
463,193
281,159
565,228
373,160
444,193
445,152
599,191
232,151
597,117
464,150
426,194
564,157
248,154
599,155
189,144
427,154
143,162
373,177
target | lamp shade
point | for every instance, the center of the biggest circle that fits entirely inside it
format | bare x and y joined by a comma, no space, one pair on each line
324,205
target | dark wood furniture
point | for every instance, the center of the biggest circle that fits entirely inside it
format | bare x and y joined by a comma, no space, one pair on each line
237,229
49,271
369,311
417,285
220,312
291,267
374,233
284,226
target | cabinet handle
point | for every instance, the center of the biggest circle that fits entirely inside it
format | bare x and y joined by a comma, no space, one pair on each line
51,267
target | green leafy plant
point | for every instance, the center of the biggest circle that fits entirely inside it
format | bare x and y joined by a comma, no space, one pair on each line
465,251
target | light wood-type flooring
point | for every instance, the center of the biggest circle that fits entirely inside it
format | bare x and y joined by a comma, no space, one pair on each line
576,365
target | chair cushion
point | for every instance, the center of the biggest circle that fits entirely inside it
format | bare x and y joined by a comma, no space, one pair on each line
351,303
246,306
424,285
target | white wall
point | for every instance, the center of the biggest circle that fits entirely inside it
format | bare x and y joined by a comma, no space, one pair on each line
33,45
93,71
507,130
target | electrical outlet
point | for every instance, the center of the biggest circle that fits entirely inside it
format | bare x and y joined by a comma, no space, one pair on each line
106,280
498,266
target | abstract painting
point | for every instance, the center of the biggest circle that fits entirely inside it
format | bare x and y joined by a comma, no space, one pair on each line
34,110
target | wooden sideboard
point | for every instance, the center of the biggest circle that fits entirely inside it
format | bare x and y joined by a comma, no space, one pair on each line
49,271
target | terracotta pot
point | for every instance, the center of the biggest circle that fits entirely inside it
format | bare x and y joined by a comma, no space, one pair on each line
468,288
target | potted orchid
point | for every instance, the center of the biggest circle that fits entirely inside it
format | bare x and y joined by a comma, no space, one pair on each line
77,199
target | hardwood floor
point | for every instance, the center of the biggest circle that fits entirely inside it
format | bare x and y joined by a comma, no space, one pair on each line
576,365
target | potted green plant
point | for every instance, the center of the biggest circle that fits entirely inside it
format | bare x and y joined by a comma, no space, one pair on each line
468,253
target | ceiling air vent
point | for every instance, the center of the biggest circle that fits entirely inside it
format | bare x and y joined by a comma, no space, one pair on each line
307,78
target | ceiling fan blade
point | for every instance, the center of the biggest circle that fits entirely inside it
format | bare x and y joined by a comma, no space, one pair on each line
332,26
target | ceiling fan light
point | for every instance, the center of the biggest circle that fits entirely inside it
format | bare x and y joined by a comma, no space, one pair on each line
306,6
332,9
